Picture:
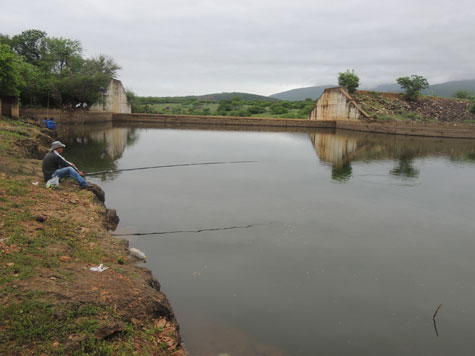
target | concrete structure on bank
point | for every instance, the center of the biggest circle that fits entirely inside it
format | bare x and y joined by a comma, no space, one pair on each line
392,128
337,104
114,100
9,106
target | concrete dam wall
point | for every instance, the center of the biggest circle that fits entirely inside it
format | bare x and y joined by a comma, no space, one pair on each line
337,104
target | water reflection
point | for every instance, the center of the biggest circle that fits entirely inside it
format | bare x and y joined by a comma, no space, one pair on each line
331,269
342,172
344,147
405,167
97,147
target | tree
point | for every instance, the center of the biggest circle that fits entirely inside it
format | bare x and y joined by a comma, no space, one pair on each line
30,45
54,70
102,65
61,52
413,86
34,86
5,39
349,80
10,76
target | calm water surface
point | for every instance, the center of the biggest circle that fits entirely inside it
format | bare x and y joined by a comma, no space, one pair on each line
343,243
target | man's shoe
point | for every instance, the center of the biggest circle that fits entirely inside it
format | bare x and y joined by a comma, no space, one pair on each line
96,190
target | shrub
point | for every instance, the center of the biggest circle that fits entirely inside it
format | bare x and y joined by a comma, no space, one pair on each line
413,86
464,94
349,80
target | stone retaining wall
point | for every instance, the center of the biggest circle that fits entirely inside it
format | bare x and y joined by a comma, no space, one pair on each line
221,120
67,117
393,128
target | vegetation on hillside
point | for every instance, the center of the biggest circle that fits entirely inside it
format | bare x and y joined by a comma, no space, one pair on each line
51,71
446,90
395,107
235,106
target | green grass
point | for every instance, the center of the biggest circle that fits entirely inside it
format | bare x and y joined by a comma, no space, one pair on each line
14,187
13,122
7,138
31,320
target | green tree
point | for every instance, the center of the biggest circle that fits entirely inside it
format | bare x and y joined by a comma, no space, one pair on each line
102,65
55,72
35,84
5,39
30,45
349,80
10,75
61,53
413,86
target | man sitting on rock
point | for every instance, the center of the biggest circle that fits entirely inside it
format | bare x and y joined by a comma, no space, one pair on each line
55,165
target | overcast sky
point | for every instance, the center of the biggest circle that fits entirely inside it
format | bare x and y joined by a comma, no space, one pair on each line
187,47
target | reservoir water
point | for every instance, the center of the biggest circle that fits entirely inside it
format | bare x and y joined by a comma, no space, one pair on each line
331,243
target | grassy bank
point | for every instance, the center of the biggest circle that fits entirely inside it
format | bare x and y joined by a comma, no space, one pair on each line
51,303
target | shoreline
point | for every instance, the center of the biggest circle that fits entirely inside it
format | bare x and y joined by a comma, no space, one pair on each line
51,302
441,129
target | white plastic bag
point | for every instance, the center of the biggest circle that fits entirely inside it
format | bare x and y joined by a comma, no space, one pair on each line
99,268
53,183
137,254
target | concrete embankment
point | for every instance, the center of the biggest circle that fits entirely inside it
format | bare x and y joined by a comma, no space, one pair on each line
409,129
445,129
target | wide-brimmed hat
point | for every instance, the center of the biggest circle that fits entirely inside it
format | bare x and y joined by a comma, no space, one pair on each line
57,144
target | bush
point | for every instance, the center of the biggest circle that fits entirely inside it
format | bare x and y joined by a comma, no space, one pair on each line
349,80
464,94
413,86
471,109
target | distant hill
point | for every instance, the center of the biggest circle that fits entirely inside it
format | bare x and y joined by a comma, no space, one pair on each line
302,93
229,96
207,97
447,89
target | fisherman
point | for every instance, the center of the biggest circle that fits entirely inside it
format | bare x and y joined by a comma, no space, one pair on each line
55,165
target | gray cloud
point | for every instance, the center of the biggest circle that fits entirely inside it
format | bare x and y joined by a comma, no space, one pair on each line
183,47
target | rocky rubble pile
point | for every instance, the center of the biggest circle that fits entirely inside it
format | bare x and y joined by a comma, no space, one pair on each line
431,109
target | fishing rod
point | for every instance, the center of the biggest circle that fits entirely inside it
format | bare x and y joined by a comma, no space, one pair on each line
166,166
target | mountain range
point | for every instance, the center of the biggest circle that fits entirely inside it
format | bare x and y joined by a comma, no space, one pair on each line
230,96
447,89
301,93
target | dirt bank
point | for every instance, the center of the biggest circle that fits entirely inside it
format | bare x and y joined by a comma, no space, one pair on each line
51,303
429,109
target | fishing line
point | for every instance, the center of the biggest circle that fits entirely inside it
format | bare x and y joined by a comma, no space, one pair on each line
167,166
194,231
